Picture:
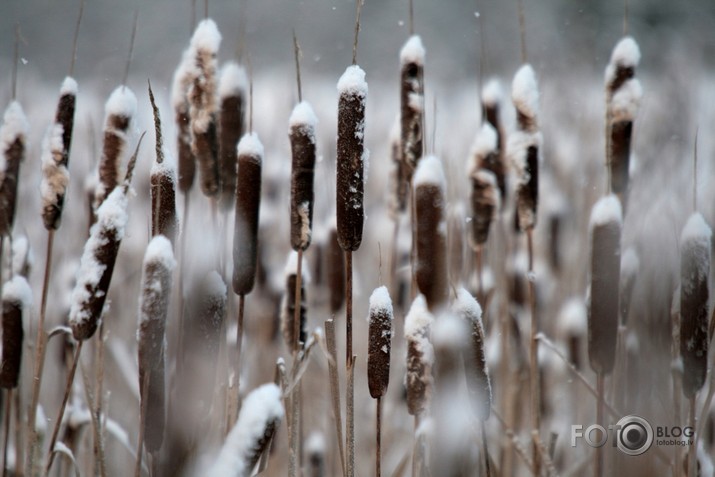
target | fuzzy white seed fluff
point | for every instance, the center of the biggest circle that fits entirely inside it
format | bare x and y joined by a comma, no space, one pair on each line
417,327
525,92
69,86
625,102
485,143
430,172
606,210
121,102
573,317
183,77
380,301
206,36
303,116
413,51
160,250
16,290
55,176
250,145
233,80
353,82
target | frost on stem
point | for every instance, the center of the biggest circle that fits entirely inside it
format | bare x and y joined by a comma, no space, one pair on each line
379,342
420,356
412,57
55,177
695,254
302,141
351,157
13,137
233,86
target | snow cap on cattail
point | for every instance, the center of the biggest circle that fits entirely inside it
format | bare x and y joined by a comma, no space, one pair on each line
13,137
420,356
379,342
232,90
302,141
16,299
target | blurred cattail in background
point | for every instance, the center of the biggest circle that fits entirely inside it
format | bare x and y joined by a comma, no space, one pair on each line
572,321
484,170
232,91
315,455
13,136
412,60
335,265
16,300
420,356
23,258
491,102
630,265
430,231
183,77
289,303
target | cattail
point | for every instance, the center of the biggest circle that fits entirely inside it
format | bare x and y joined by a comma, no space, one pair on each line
630,265
485,169
162,184
232,88
450,341
475,361
573,322
351,157
203,102
420,356
302,142
250,437
491,100
380,342
289,302
524,145
623,95
694,296
315,453
431,242
605,230
13,136
119,111
183,77
412,60
98,258
248,202
22,257
398,185
153,307
64,116
16,299
335,271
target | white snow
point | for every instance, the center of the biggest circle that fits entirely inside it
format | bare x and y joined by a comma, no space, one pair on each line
121,102
14,126
626,53
417,327
450,332
291,267
485,142
606,210
525,92
413,51
573,317
430,172
380,301
696,230
492,92
467,306
16,290
69,86
315,444
251,145
214,285
21,254
167,167
233,80
206,36
55,176
626,100
304,117
183,76
260,408
630,262
160,250
517,146
353,82
695,240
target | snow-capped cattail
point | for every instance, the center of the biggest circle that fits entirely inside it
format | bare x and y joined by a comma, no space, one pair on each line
289,302
420,356
623,95
162,184
232,88
573,321
183,77
22,257
260,416
64,116
203,101
430,231
491,100
379,342
315,453
694,295
485,170
248,202
475,361
524,145
302,142
630,265
13,136
412,60
335,271
153,307
98,258
119,113
16,299
485,155
351,157
605,230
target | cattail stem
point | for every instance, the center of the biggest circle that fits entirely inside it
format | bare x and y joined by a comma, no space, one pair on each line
6,430
378,431
533,352
296,313
335,387
140,440
485,450
76,36
692,450
598,457
349,416
239,336
65,398
131,46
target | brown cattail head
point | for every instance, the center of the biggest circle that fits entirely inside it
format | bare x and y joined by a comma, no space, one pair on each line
420,356
119,111
183,77
55,177
260,417
412,60
694,295
431,230
380,342
605,229
13,136
208,309
16,299
475,360
233,85
485,169
153,307
248,203
399,186
162,185
335,265
203,101
302,142
630,265
623,95
491,101
289,302
65,115
351,159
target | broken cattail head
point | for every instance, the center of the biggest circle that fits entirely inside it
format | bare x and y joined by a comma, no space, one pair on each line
13,136
302,142
351,157
412,59
420,356
289,303
16,299
605,230
379,342
232,90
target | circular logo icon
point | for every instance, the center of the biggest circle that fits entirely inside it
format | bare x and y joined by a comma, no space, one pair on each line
634,435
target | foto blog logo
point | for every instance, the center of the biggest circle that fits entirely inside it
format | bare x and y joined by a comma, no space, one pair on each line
633,435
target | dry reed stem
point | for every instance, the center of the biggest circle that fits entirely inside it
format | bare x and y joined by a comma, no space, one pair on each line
335,387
